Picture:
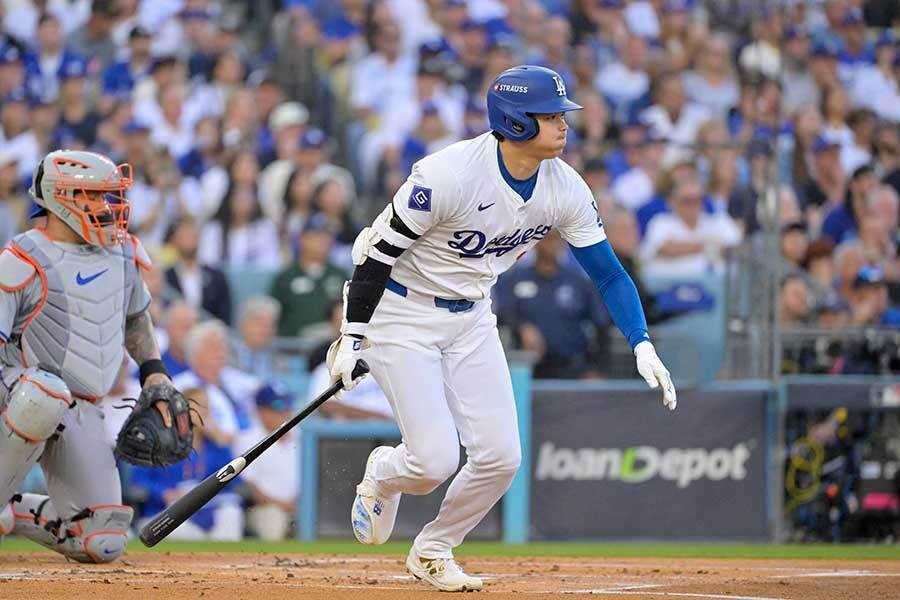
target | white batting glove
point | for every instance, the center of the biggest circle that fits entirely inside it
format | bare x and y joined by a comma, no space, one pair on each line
341,360
655,372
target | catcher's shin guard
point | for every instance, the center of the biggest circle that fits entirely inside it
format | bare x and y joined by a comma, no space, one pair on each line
96,534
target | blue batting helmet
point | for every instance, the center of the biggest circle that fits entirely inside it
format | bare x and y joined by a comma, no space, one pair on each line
521,92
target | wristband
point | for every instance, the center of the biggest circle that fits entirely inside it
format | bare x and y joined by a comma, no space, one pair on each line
150,367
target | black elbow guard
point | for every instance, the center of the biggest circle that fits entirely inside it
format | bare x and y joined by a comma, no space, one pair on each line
365,290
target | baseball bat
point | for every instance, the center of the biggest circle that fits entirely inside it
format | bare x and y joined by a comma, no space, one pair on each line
180,511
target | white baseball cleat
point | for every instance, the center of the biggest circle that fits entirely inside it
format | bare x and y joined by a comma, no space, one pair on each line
373,514
442,573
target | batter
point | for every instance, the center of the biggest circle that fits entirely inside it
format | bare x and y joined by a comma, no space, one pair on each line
418,309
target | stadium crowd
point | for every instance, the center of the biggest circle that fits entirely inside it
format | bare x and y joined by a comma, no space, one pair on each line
265,134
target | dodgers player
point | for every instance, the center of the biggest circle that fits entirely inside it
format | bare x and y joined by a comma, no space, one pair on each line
71,297
464,216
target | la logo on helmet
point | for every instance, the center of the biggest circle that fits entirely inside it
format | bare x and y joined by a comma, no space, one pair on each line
560,86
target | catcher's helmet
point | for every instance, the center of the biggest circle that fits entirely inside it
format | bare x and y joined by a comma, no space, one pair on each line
518,93
87,191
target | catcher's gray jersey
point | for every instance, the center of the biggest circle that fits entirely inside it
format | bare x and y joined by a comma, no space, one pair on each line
63,307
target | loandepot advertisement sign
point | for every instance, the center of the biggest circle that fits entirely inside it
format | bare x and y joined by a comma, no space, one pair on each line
681,466
608,464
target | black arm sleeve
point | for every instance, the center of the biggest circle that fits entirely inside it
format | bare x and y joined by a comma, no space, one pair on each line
365,291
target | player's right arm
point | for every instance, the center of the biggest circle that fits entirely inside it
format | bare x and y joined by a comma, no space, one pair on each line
416,207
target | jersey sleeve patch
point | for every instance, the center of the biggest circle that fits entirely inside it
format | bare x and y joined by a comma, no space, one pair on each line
420,198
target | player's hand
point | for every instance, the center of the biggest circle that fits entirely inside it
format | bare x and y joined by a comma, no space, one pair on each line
341,360
655,372
162,406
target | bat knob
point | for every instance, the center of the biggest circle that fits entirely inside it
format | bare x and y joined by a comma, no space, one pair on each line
361,368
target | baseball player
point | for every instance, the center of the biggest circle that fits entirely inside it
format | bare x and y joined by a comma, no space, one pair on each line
464,216
71,301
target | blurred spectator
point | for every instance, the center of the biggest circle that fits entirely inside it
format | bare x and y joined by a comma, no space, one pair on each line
296,204
120,78
826,186
877,229
308,287
869,300
625,83
180,319
797,79
273,478
887,150
849,259
672,116
286,124
797,157
842,221
92,40
296,67
635,187
835,109
558,337
680,169
238,235
12,67
856,51
687,241
13,202
314,157
48,60
17,136
859,151
230,390
156,488
202,286
622,229
257,326
722,181
78,122
172,127
819,266
794,246
591,125
875,86
795,302
329,199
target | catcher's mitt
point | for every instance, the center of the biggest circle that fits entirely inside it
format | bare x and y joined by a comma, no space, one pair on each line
145,440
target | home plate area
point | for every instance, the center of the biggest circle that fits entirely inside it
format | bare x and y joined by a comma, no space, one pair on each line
176,576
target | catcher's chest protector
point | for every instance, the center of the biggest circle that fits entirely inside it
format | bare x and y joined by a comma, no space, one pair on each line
80,329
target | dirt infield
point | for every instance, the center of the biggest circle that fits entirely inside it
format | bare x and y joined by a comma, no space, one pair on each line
177,576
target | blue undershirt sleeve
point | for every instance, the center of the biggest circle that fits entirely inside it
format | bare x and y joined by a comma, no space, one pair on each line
617,289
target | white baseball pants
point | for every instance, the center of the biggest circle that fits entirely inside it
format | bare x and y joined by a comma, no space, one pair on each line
446,377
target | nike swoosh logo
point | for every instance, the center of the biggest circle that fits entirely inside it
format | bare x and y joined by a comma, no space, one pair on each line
86,280
482,207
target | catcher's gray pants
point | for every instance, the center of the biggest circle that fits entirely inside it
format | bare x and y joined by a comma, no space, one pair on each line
81,474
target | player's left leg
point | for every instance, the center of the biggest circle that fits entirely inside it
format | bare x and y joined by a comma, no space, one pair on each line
83,517
479,393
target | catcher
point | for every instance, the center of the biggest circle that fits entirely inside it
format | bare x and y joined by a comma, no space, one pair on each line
71,298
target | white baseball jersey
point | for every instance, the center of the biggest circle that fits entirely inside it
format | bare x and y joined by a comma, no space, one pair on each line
474,226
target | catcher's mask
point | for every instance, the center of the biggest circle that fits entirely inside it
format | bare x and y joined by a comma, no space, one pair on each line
87,191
